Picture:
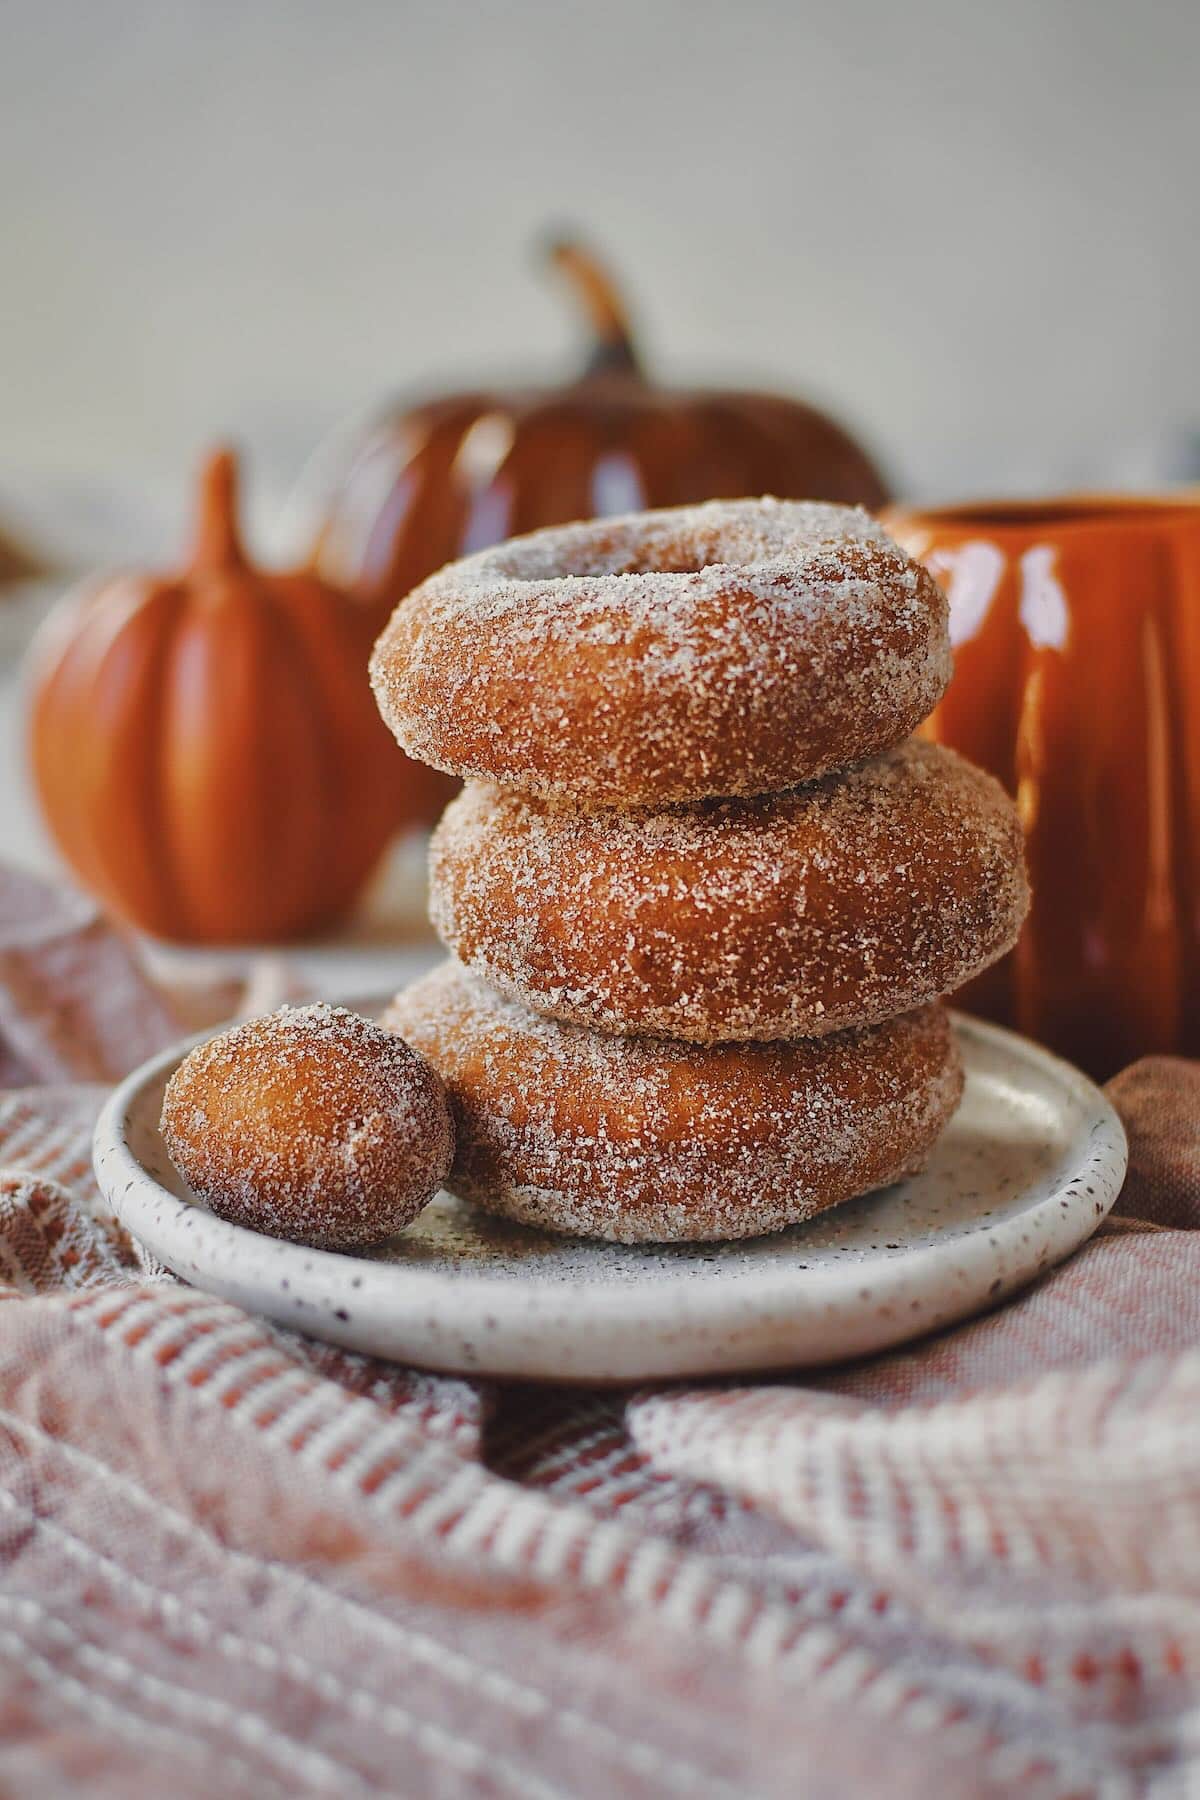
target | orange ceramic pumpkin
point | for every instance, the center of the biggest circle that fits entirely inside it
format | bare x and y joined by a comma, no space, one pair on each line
431,482
1077,681
206,748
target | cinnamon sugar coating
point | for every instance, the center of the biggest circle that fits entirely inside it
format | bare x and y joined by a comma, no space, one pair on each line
312,1124
734,648
638,1140
831,906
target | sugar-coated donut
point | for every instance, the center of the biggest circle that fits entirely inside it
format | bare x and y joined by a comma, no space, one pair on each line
733,648
644,1140
312,1124
833,905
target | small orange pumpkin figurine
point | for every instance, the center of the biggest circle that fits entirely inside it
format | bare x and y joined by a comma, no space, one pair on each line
430,482
206,748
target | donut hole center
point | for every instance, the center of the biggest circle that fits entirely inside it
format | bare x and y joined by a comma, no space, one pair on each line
664,565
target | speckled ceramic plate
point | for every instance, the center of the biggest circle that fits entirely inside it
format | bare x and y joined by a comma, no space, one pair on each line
1029,1166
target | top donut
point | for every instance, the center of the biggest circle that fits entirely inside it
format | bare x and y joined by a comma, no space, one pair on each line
730,649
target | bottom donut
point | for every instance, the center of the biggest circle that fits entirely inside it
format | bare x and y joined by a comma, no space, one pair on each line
643,1140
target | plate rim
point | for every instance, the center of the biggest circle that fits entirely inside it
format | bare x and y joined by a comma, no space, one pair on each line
135,1194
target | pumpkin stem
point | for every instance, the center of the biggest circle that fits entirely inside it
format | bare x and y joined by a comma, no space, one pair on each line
612,349
218,541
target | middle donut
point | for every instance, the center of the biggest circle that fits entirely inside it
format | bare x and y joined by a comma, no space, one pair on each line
834,905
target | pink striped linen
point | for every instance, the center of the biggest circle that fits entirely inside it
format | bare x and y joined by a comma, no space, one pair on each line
235,1562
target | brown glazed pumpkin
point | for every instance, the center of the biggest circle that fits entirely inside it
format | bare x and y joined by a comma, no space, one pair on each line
433,481
17,563
1076,627
206,748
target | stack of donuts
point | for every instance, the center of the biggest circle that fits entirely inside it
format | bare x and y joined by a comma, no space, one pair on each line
703,890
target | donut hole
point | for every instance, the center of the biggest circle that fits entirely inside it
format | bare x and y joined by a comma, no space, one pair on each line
664,565
617,557
312,1124
642,546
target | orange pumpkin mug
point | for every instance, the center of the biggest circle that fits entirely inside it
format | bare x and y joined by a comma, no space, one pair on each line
1076,629
205,745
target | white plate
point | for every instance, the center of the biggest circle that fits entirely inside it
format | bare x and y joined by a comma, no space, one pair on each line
1027,1169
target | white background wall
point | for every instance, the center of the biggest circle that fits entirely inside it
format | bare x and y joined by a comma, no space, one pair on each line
972,225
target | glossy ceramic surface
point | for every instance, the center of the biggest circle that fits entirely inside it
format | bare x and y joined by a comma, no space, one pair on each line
1029,1166
1076,628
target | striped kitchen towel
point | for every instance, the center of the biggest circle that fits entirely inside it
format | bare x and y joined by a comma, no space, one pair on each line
236,1562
